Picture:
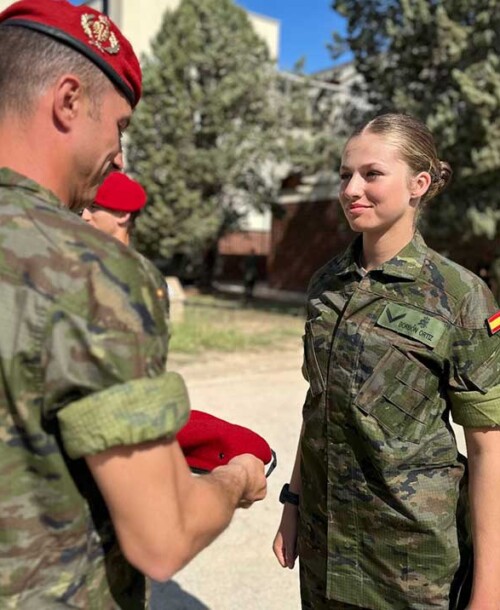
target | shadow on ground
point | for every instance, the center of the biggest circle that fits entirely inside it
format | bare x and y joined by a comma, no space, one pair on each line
170,596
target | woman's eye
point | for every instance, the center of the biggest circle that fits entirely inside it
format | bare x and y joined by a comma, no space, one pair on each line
344,176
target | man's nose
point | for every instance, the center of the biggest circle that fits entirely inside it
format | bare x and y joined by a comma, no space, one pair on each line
86,215
118,163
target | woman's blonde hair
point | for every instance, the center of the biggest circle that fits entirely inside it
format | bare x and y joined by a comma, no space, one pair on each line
415,143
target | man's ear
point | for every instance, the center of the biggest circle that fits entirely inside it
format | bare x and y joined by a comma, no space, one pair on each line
67,101
420,184
124,218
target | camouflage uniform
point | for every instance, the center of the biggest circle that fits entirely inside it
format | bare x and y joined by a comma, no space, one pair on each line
388,355
494,273
82,360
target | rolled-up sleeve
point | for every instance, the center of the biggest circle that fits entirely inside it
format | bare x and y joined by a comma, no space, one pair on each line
475,409
474,384
104,365
134,412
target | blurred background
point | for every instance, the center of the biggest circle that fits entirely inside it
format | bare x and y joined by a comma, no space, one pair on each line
247,105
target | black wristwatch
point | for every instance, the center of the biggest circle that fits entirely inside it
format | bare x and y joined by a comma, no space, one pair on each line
288,496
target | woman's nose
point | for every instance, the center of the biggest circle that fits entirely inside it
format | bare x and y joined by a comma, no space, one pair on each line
353,188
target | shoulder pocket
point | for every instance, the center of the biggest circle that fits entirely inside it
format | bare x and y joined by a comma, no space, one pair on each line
399,395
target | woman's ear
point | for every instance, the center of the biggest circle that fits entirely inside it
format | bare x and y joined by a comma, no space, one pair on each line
420,184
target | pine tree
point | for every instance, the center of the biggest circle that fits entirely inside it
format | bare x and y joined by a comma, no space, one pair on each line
439,60
204,137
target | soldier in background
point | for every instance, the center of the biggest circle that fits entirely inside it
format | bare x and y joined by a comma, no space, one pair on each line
250,275
116,206
397,337
94,490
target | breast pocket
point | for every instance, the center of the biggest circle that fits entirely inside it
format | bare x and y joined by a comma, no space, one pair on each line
399,394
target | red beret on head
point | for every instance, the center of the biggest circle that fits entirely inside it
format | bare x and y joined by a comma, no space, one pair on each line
85,30
208,441
121,193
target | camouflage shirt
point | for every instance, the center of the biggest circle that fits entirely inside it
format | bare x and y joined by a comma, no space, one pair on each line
388,355
82,361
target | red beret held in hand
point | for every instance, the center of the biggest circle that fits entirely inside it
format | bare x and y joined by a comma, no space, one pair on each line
208,442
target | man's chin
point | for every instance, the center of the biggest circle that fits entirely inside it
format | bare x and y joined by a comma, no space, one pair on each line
83,200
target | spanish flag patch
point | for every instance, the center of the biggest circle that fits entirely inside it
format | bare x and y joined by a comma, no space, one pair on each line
494,323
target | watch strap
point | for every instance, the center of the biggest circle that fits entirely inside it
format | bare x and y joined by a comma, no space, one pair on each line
287,496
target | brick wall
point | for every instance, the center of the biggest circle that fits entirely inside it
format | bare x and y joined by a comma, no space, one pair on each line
306,236
243,242
234,247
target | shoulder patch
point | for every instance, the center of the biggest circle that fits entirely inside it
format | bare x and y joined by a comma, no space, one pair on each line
412,323
494,323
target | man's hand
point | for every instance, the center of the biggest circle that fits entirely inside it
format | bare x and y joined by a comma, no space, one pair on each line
251,469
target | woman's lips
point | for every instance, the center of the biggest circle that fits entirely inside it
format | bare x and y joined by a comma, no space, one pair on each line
357,208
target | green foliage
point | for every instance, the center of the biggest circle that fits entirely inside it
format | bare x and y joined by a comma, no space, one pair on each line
316,117
220,325
438,60
204,136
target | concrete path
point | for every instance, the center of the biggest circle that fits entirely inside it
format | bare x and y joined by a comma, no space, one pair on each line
239,571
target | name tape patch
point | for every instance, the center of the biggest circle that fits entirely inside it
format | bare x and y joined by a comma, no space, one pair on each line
412,323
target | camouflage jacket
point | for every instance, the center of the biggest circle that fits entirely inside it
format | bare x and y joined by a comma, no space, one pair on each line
388,355
82,358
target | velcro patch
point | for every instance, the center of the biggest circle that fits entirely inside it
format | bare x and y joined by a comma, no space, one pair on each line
412,323
494,323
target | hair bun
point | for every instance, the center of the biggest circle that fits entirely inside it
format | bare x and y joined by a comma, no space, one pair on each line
445,173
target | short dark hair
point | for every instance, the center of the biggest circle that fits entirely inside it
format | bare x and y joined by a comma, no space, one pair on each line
31,61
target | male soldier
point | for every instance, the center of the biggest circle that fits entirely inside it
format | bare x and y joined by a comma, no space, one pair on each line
116,206
87,414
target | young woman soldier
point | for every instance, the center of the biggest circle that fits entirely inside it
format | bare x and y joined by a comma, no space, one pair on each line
397,338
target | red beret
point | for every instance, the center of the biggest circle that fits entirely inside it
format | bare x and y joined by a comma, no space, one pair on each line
87,31
208,441
121,193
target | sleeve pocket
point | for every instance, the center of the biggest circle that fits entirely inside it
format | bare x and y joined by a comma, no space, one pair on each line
399,395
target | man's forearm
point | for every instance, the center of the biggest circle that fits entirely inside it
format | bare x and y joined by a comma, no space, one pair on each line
164,515
209,505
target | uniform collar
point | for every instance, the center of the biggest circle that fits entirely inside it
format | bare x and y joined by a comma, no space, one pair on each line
10,178
407,264
347,263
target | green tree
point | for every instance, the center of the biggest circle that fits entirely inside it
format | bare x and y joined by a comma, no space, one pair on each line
203,139
438,60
